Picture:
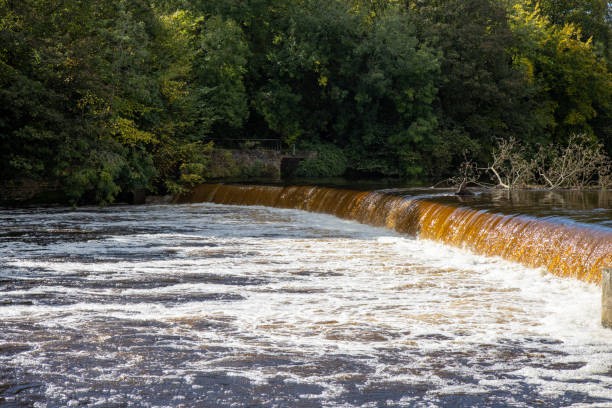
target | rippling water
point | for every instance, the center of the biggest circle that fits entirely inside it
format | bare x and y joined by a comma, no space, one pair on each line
211,305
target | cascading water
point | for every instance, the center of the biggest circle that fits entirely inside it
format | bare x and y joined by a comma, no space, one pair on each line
565,250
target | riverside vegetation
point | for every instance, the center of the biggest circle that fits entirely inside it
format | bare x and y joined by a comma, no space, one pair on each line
99,98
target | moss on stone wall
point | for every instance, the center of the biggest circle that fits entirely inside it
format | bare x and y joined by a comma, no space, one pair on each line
244,164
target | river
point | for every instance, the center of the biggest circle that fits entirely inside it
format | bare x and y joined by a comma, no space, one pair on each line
222,305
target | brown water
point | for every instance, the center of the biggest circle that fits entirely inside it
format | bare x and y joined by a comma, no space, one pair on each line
564,245
593,208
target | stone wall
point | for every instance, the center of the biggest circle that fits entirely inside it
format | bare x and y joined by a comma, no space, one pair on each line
245,164
24,190
234,164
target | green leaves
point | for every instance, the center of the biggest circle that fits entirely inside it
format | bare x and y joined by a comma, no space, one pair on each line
103,97
571,83
182,165
395,93
364,84
482,95
219,67
330,161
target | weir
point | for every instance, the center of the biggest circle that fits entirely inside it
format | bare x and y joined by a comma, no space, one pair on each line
564,250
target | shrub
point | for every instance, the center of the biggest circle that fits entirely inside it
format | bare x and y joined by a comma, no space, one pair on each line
183,165
329,162
259,169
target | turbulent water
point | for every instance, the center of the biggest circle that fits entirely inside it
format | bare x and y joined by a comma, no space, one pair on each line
215,305
564,247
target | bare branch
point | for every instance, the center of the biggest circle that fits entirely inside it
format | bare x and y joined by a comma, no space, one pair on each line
579,164
510,165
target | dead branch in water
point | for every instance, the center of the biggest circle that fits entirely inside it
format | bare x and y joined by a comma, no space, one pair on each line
580,164
510,166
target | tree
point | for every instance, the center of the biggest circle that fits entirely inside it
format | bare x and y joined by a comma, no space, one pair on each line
77,97
482,94
592,17
394,96
366,86
54,98
219,67
573,88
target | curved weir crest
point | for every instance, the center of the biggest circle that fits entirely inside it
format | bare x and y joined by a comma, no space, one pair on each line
564,250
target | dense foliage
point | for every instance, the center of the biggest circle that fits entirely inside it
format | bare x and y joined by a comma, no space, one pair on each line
104,97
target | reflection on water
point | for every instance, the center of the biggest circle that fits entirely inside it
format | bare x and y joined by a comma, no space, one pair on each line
591,207
586,206
212,305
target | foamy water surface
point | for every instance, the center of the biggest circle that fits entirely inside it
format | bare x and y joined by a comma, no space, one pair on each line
214,305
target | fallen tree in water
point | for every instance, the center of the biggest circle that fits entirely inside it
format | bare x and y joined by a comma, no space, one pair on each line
580,164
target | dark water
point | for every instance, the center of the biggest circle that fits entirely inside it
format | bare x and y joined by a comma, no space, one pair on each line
593,208
217,306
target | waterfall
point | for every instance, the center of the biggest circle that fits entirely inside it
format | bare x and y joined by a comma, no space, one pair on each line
563,249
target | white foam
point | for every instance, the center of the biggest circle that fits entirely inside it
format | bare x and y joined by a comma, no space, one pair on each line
323,286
